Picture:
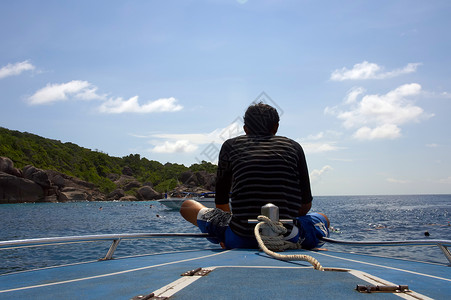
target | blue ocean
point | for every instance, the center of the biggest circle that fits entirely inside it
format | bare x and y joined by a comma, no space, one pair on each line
357,218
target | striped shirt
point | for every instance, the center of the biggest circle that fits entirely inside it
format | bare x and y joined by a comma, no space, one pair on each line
260,170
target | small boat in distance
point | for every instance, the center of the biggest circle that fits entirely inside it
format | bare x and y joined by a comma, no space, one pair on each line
175,200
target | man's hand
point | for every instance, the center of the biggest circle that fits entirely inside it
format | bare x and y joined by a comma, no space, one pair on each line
305,207
224,207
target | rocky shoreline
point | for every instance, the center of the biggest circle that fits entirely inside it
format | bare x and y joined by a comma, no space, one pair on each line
32,184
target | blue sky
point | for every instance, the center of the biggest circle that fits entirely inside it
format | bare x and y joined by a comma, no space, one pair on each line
363,86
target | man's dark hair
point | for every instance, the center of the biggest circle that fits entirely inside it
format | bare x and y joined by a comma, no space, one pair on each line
261,118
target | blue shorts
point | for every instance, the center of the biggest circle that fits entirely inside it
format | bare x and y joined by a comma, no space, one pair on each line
311,228
308,229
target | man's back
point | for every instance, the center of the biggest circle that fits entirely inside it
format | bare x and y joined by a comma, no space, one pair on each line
262,169
258,168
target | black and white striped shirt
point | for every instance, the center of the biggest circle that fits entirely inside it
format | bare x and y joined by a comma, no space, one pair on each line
260,170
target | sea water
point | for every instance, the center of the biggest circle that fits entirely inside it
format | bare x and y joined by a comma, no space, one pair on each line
357,218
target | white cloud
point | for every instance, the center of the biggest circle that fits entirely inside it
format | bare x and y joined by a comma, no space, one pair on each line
432,145
189,142
446,180
366,70
61,92
310,148
398,181
233,130
380,116
119,105
352,95
217,136
83,90
385,131
196,138
342,159
181,146
320,142
90,93
316,175
15,69
317,136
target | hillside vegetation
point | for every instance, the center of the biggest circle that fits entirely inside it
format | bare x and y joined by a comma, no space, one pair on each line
93,166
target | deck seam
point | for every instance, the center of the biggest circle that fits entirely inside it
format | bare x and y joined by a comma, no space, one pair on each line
387,267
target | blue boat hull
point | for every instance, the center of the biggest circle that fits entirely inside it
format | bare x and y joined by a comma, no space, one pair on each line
236,274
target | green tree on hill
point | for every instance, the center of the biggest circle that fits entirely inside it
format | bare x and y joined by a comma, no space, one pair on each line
93,166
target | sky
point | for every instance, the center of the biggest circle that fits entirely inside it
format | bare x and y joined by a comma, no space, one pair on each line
363,86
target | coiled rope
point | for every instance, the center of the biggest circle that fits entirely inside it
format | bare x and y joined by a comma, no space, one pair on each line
269,244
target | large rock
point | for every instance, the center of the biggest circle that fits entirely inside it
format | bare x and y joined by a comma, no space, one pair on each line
115,195
58,179
63,180
188,178
131,185
73,194
200,178
113,176
205,179
148,193
127,171
34,184
37,175
7,166
123,180
51,198
148,183
73,189
128,198
15,189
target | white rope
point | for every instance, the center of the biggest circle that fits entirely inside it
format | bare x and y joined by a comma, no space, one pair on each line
269,244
